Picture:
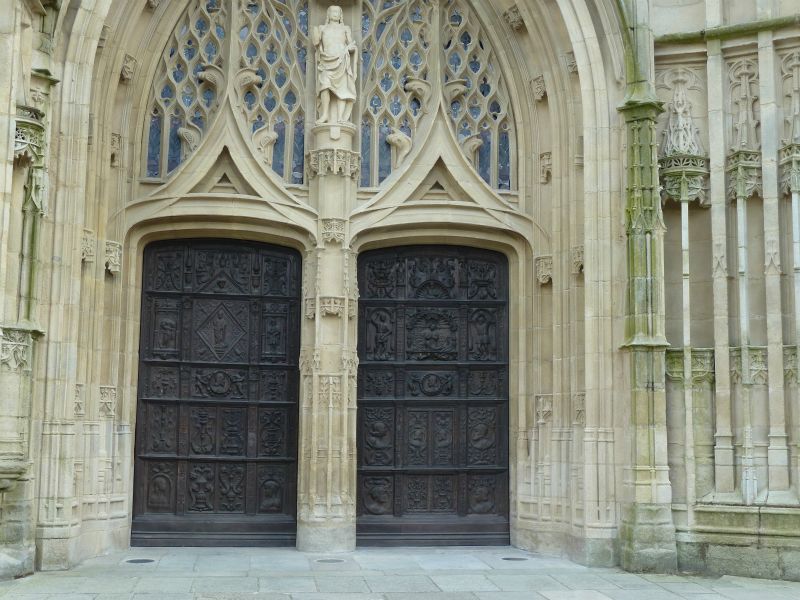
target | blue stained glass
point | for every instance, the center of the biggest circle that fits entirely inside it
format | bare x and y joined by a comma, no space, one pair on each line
415,106
380,62
375,104
395,106
250,100
366,155
406,37
280,77
212,5
167,92
456,18
198,120
172,51
154,146
220,31
416,14
287,24
201,27
187,96
302,53
174,150
262,74
272,55
252,8
365,24
302,18
251,52
198,68
380,29
504,162
279,149
405,127
270,102
397,60
290,99
211,50
475,64
494,109
178,74
258,123
485,88
475,111
466,40
279,34
455,109
298,151
455,62
208,97
243,32
464,131
386,82
262,29
416,60
384,151
485,156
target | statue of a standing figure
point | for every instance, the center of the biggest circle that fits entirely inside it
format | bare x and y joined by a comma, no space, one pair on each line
337,56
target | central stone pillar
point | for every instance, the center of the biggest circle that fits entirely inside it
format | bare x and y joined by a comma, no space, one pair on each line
327,479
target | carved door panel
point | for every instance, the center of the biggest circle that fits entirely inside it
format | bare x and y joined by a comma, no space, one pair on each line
433,396
216,430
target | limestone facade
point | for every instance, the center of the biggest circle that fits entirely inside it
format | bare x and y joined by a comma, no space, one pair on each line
637,161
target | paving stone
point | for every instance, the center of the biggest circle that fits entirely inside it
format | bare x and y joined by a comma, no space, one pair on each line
575,595
464,583
225,584
400,583
164,584
287,584
583,581
508,582
342,584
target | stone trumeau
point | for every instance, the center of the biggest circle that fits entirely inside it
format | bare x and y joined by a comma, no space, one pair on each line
331,274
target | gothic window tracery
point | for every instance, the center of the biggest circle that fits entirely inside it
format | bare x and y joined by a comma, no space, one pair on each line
185,92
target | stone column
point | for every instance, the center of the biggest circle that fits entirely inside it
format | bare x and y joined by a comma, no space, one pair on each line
329,363
647,532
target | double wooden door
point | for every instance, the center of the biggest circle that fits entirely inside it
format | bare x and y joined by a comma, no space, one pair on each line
433,397
216,431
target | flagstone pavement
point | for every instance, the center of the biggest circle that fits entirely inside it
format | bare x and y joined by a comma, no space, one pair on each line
370,574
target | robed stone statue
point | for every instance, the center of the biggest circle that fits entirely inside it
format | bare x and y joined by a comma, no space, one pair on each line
337,56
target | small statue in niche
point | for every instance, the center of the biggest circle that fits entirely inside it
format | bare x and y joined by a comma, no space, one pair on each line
337,56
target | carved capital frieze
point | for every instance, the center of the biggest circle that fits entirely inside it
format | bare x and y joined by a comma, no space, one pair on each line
334,162
702,366
113,257
790,168
332,306
333,231
29,135
749,365
108,401
544,269
545,167
16,349
539,88
790,367
744,174
88,246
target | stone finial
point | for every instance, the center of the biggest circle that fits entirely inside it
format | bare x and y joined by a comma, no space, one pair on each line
514,18
544,269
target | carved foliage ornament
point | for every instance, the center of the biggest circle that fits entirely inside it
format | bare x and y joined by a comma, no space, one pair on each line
334,162
15,349
544,269
28,135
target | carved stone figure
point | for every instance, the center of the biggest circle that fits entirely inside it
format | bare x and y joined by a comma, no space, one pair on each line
337,56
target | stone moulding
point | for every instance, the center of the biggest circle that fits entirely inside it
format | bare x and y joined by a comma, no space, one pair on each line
28,135
334,162
544,269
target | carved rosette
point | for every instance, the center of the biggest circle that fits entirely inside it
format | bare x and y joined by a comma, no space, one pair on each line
334,162
113,257
544,269
28,135
15,349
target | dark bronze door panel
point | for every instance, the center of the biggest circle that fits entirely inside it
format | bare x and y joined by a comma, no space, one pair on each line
216,427
433,396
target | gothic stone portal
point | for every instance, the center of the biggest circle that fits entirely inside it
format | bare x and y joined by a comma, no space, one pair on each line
216,432
433,397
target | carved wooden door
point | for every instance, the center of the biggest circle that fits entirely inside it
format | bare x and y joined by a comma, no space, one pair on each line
433,396
216,430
